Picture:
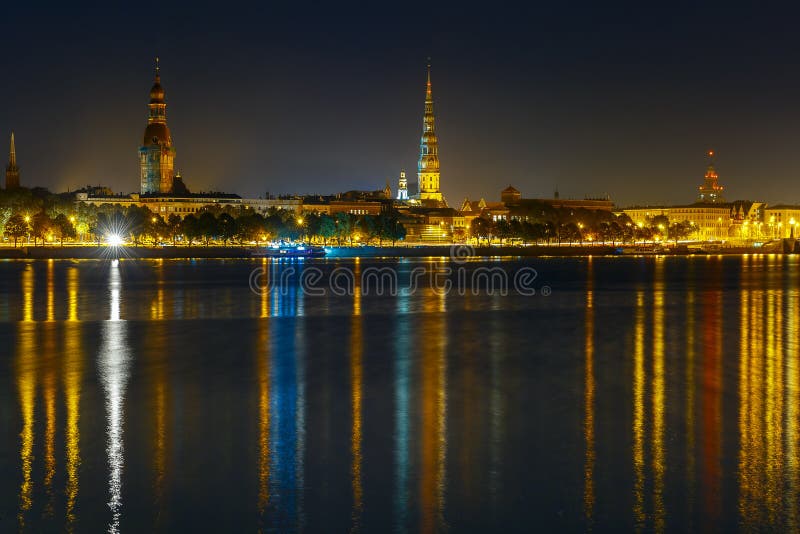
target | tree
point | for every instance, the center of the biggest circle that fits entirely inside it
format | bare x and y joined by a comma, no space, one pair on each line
679,230
345,224
17,228
41,226
174,226
191,228
5,215
207,226
227,227
156,227
369,227
64,228
250,227
327,228
136,220
502,229
481,228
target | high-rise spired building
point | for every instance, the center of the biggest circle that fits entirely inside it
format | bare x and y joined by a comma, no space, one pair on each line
710,191
157,155
12,171
428,167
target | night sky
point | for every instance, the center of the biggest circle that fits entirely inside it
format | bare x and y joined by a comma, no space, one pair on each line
317,99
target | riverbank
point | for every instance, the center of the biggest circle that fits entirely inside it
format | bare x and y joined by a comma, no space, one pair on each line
423,251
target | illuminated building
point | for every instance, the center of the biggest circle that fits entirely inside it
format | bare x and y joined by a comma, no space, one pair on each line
433,225
710,191
402,187
12,171
157,155
781,221
428,166
709,221
710,218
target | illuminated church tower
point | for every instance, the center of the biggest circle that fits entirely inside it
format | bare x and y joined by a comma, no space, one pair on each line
428,167
710,191
12,171
402,187
157,155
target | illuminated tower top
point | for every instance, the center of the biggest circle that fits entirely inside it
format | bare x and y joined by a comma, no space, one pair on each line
157,131
157,154
12,171
428,166
710,191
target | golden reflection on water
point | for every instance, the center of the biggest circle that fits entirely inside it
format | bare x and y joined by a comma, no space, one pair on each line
774,397
48,359
263,366
51,292
264,293
72,372
659,460
690,397
356,377
792,468
27,294
711,396
751,451
639,516
588,418
26,385
157,305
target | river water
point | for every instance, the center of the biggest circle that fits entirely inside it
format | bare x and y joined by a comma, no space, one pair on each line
170,395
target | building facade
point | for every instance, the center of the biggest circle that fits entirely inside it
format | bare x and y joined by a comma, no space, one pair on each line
781,221
157,153
428,165
12,171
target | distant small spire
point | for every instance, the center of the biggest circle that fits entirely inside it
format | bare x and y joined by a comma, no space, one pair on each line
158,69
12,155
428,92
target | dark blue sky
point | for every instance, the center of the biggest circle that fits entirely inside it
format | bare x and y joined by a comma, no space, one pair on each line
621,99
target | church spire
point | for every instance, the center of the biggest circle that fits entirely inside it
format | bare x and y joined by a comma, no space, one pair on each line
12,155
428,165
12,171
158,70
428,93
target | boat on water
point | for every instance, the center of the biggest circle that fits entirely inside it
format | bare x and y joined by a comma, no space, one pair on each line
643,251
289,251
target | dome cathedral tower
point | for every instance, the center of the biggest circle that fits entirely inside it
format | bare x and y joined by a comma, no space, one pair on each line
157,154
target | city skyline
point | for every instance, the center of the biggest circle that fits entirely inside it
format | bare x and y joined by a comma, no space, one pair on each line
246,120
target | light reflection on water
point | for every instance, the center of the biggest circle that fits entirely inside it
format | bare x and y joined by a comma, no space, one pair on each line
113,366
651,394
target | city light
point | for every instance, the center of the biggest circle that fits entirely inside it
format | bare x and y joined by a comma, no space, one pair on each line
114,240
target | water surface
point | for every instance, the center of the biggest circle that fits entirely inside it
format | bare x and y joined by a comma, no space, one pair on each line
659,393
